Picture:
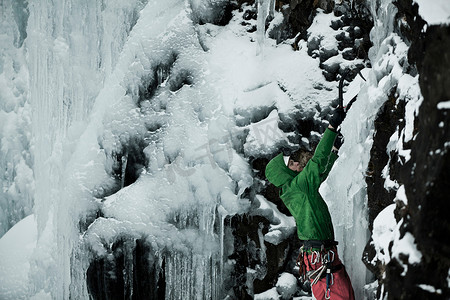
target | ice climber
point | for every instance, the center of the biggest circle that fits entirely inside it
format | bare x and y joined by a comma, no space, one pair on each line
299,177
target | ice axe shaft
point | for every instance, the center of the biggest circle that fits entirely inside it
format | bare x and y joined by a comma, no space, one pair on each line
341,86
341,90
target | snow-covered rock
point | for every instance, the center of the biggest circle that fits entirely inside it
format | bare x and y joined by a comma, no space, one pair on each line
286,285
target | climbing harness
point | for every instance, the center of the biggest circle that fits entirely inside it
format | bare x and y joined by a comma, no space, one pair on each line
326,244
325,257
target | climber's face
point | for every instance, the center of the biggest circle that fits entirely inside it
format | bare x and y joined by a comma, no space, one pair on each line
295,166
299,159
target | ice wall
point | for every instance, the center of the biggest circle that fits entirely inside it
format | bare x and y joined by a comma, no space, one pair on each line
147,120
16,175
71,47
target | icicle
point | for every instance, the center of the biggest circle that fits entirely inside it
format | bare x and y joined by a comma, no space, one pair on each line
261,272
124,161
222,214
261,24
193,273
272,8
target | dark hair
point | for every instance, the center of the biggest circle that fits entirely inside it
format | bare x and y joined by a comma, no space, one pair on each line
302,156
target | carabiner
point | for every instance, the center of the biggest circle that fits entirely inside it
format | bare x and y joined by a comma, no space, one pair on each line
328,294
316,260
332,259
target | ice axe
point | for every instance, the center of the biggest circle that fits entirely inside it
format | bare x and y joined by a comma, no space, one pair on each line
341,92
340,138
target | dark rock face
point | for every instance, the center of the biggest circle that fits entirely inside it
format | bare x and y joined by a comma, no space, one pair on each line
298,16
352,36
302,14
129,271
389,118
217,12
425,176
267,261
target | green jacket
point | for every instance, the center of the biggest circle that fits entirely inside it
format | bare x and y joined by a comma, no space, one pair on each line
300,191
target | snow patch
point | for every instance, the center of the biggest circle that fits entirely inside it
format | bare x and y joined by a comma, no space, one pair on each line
430,288
434,12
286,285
401,195
281,226
271,294
383,233
321,36
409,90
16,248
443,105
407,245
265,137
389,184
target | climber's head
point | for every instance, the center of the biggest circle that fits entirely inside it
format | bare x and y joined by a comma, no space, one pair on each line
298,160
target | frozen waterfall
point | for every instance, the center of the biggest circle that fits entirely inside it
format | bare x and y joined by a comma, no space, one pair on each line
147,118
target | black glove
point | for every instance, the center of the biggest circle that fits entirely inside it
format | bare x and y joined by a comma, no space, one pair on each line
337,117
339,140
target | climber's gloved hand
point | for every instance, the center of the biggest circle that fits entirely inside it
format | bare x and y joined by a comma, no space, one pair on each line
339,140
337,117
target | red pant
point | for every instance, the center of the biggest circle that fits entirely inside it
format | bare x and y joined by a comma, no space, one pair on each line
340,286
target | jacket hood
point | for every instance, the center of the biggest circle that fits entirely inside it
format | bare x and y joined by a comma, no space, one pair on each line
277,172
